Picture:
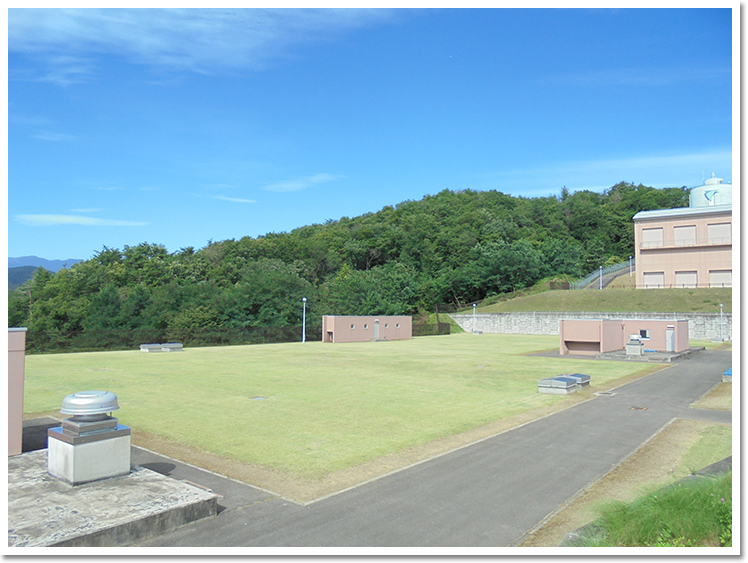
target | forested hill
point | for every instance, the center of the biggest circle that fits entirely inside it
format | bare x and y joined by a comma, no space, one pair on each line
452,246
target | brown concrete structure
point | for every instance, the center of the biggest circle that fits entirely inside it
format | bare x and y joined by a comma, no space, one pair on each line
16,371
688,246
597,336
366,328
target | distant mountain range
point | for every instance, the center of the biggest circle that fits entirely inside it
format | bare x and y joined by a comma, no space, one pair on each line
51,265
22,269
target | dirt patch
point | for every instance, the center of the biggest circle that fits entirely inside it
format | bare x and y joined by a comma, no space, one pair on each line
718,399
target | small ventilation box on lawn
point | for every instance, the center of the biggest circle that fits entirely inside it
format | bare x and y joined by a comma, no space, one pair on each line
563,384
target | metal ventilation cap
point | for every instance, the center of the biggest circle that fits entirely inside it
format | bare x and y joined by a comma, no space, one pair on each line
89,402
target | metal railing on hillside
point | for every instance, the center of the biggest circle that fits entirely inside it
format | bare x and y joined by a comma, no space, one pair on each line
593,279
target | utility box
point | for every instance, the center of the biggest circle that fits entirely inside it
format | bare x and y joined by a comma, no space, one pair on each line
558,386
634,347
581,379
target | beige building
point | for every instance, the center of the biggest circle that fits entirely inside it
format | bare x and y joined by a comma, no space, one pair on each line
596,336
689,246
364,329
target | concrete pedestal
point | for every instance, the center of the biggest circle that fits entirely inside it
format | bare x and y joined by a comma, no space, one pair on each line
634,349
88,458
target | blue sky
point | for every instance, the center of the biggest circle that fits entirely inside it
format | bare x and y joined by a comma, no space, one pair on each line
183,126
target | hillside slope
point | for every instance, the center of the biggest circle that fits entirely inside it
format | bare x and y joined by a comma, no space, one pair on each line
702,300
20,275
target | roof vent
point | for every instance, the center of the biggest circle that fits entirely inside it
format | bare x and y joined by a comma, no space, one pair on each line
89,405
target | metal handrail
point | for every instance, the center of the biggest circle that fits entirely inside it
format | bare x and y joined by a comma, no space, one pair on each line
614,269
714,241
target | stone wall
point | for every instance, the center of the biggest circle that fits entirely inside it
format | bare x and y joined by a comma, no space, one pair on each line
701,326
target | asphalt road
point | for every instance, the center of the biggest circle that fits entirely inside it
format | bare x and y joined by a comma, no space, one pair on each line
488,494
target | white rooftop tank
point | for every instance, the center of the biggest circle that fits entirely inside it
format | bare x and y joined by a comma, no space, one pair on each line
713,192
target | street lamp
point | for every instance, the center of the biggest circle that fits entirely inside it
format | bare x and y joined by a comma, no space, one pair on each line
303,321
631,269
721,323
475,327
601,277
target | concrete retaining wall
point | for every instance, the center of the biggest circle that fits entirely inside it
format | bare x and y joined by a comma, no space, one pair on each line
701,326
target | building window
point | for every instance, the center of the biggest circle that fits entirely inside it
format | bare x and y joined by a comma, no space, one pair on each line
686,279
652,238
684,236
353,326
654,280
386,325
719,233
720,278
366,327
644,333
397,325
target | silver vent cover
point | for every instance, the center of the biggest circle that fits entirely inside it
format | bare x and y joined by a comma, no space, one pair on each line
85,403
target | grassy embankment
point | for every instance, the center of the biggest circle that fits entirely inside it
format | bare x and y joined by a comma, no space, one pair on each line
620,296
696,514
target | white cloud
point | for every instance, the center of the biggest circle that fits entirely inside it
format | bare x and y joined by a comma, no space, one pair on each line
196,40
54,137
639,76
300,183
234,199
54,220
35,121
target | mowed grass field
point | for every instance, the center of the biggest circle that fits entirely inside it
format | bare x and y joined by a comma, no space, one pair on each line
311,409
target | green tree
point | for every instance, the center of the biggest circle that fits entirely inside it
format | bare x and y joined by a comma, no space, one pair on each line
104,310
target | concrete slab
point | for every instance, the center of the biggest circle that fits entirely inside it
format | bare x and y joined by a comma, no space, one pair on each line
621,356
44,511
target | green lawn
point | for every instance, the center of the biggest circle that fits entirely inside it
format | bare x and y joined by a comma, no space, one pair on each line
326,406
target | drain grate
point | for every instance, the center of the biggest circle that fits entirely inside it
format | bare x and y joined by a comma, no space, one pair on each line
604,394
638,408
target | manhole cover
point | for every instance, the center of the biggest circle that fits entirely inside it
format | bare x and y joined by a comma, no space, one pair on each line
638,408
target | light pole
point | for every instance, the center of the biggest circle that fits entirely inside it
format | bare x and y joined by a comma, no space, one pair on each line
631,269
721,323
601,277
475,327
303,321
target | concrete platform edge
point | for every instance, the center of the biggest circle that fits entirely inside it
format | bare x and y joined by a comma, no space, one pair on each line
132,533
